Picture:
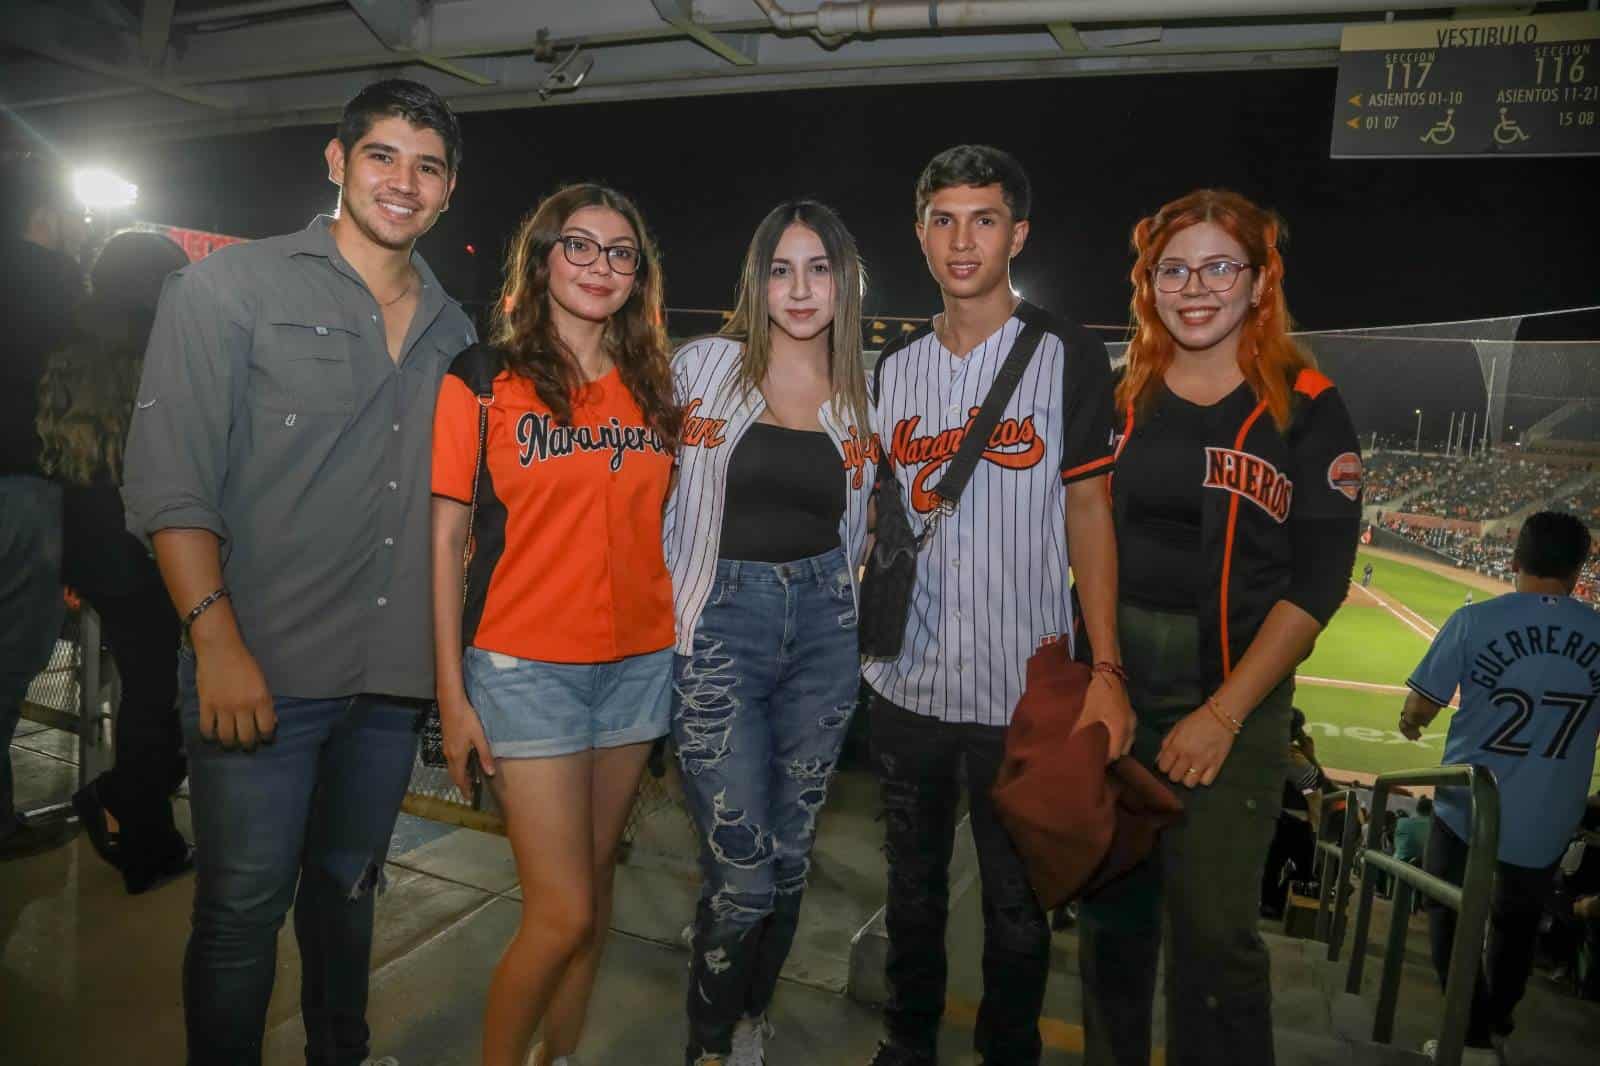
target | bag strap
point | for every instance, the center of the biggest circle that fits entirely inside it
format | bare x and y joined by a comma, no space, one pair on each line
950,487
485,400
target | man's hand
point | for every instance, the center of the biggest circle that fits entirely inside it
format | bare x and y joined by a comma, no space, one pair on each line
235,706
1409,729
1106,702
463,734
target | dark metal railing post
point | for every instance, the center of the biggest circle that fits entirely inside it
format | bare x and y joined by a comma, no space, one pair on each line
1472,915
1369,885
1348,841
1470,900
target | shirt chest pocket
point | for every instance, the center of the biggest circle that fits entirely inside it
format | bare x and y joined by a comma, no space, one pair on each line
303,367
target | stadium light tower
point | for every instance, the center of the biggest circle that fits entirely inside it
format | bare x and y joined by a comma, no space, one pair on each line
1418,448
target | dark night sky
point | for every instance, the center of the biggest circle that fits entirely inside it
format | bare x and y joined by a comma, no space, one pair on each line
1371,242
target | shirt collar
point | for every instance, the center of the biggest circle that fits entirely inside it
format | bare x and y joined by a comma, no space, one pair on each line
317,240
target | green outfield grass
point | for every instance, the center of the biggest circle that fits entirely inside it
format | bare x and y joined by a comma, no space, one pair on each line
1354,728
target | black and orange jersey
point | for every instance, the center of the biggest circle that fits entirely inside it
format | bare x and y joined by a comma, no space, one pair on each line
1280,510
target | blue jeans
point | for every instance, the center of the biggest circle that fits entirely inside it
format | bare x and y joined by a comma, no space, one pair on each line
762,707
30,606
304,820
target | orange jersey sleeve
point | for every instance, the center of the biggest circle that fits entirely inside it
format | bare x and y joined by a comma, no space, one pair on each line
455,440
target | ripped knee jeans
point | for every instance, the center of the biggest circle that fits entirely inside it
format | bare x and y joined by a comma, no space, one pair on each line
760,711
303,821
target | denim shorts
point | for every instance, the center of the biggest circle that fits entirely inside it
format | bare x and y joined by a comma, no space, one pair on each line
532,709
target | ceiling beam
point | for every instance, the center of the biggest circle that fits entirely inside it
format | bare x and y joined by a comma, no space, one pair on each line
740,51
155,30
99,49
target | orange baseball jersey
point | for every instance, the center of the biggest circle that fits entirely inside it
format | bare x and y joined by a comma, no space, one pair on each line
567,565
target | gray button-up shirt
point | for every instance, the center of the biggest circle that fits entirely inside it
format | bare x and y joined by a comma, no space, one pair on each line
271,414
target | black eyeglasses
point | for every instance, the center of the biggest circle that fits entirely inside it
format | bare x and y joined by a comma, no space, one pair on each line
581,251
1219,275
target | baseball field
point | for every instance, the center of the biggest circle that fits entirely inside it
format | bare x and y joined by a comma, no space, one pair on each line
1353,685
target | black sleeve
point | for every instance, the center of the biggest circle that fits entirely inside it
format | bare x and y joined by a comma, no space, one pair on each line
1325,513
1088,415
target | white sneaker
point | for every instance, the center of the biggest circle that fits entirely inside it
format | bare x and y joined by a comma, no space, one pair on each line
387,1060
749,1042
1470,1056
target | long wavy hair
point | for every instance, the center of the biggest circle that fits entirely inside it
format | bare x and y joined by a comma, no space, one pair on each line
1268,357
635,337
752,317
87,392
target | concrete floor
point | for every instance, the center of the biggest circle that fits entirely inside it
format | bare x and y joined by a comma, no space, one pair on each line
90,975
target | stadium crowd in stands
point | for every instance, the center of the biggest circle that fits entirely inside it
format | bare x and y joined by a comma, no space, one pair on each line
1585,503
1390,475
1492,487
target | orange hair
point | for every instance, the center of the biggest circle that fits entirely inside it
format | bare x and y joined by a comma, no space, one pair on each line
1268,357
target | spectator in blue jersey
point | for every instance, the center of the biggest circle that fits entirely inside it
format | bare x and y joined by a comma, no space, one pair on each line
991,588
1237,501
765,530
1528,667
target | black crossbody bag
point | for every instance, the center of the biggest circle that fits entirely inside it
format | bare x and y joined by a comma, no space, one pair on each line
892,564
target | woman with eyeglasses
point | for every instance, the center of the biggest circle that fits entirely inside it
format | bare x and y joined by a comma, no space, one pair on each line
766,526
554,659
1237,500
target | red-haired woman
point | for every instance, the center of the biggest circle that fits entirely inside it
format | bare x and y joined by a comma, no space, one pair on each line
1237,503
557,439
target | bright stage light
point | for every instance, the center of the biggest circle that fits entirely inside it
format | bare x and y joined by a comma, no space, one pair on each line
99,190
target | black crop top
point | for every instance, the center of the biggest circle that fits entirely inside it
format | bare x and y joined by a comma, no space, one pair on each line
785,496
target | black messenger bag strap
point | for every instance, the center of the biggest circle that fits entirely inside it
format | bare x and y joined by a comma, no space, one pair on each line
950,487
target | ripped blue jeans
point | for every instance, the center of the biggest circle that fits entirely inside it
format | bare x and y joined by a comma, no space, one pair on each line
304,820
760,713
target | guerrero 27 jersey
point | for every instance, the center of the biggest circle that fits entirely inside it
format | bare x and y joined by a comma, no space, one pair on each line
1529,671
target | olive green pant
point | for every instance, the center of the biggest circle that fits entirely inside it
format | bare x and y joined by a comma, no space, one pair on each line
1204,878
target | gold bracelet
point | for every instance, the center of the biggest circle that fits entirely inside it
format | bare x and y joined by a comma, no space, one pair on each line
1230,723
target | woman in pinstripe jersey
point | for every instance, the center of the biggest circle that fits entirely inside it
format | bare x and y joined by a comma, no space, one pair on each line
765,529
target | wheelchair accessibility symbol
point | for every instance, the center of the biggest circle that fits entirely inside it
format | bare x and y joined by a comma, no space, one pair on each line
1443,131
1507,131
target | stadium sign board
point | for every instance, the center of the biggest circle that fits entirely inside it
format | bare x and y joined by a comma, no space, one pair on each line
1513,86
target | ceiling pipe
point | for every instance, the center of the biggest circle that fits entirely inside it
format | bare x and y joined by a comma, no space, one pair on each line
838,19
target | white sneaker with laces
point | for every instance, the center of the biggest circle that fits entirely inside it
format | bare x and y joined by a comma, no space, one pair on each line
749,1042
1470,1056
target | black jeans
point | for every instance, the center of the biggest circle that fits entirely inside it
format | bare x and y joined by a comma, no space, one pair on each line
918,760
141,627
1513,933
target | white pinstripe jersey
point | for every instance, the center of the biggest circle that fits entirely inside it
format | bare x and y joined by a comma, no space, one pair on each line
992,584
718,414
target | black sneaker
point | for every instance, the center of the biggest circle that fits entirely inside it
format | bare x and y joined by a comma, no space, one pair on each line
894,1055
92,814
33,838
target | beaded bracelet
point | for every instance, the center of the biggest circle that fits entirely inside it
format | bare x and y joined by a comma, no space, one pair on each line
1105,666
1229,722
202,607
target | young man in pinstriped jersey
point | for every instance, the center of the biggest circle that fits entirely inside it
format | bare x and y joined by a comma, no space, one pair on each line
992,586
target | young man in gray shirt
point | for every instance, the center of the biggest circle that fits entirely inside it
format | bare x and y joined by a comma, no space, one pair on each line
279,464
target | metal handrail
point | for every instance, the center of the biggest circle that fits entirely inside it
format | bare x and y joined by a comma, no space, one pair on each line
1470,901
1333,899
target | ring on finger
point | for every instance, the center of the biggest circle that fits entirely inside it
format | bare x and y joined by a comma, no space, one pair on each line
1190,772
